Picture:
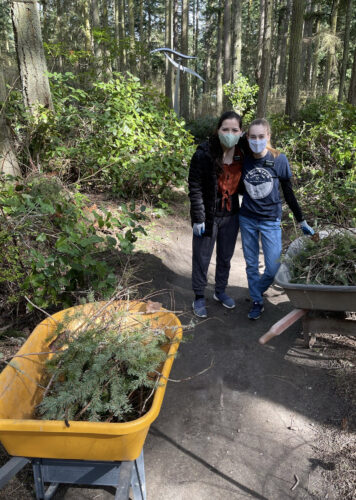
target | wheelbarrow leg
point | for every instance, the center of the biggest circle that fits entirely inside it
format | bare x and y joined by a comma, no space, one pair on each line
41,492
124,480
138,481
11,468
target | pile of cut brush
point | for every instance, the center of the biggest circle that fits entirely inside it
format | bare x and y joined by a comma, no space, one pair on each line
103,370
327,260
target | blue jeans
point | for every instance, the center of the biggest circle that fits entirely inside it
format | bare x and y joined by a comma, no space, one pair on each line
271,238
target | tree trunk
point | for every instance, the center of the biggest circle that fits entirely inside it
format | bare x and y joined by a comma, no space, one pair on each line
168,43
260,39
264,80
86,27
295,49
194,100
122,35
219,64
315,47
330,58
352,89
97,44
30,55
117,35
143,57
131,16
346,49
8,161
175,25
227,41
237,44
105,25
282,63
306,45
184,96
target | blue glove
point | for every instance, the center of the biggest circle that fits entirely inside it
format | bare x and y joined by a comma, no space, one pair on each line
199,228
306,228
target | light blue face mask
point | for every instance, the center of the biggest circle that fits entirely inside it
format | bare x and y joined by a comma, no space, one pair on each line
257,145
229,140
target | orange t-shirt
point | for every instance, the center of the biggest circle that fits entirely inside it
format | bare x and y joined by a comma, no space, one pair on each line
229,179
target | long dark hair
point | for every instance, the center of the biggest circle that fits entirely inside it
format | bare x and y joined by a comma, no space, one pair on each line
214,142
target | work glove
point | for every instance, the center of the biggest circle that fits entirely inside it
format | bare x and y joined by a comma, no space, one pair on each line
199,228
306,228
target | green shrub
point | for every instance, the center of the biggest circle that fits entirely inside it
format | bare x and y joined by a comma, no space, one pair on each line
321,147
52,243
119,135
202,127
243,97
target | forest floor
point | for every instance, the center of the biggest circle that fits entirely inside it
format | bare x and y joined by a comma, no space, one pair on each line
267,422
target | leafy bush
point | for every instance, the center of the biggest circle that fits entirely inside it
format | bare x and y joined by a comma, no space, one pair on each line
100,369
202,127
321,147
118,134
51,243
243,96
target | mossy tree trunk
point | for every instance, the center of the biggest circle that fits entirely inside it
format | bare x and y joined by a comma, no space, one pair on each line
30,54
8,161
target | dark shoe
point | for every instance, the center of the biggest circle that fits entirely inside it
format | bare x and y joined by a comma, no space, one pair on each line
225,300
256,310
199,308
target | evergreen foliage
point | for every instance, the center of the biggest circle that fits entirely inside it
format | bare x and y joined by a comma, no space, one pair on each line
326,261
102,370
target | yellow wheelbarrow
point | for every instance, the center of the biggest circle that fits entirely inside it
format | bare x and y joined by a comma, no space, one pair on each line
85,452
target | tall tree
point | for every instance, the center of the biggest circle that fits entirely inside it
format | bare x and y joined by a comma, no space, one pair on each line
86,25
315,56
97,44
8,161
306,46
346,49
30,54
295,49
283,43
227,41
261,31
264,79
237,38
330,58
131,20
219,62
352,89
184,97
122,34
168,43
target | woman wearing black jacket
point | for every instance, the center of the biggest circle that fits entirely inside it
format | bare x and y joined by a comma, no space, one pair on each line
214,177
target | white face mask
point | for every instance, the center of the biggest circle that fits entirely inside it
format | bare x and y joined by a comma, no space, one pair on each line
257,145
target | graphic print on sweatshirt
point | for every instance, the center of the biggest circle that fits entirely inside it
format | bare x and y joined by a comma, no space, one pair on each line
258,183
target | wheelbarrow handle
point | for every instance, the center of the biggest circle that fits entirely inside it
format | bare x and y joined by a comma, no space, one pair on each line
282,325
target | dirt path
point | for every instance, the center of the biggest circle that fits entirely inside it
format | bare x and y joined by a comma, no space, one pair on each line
255,424
264,422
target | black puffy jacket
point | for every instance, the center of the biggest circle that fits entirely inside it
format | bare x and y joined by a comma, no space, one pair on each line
203,184
203,187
